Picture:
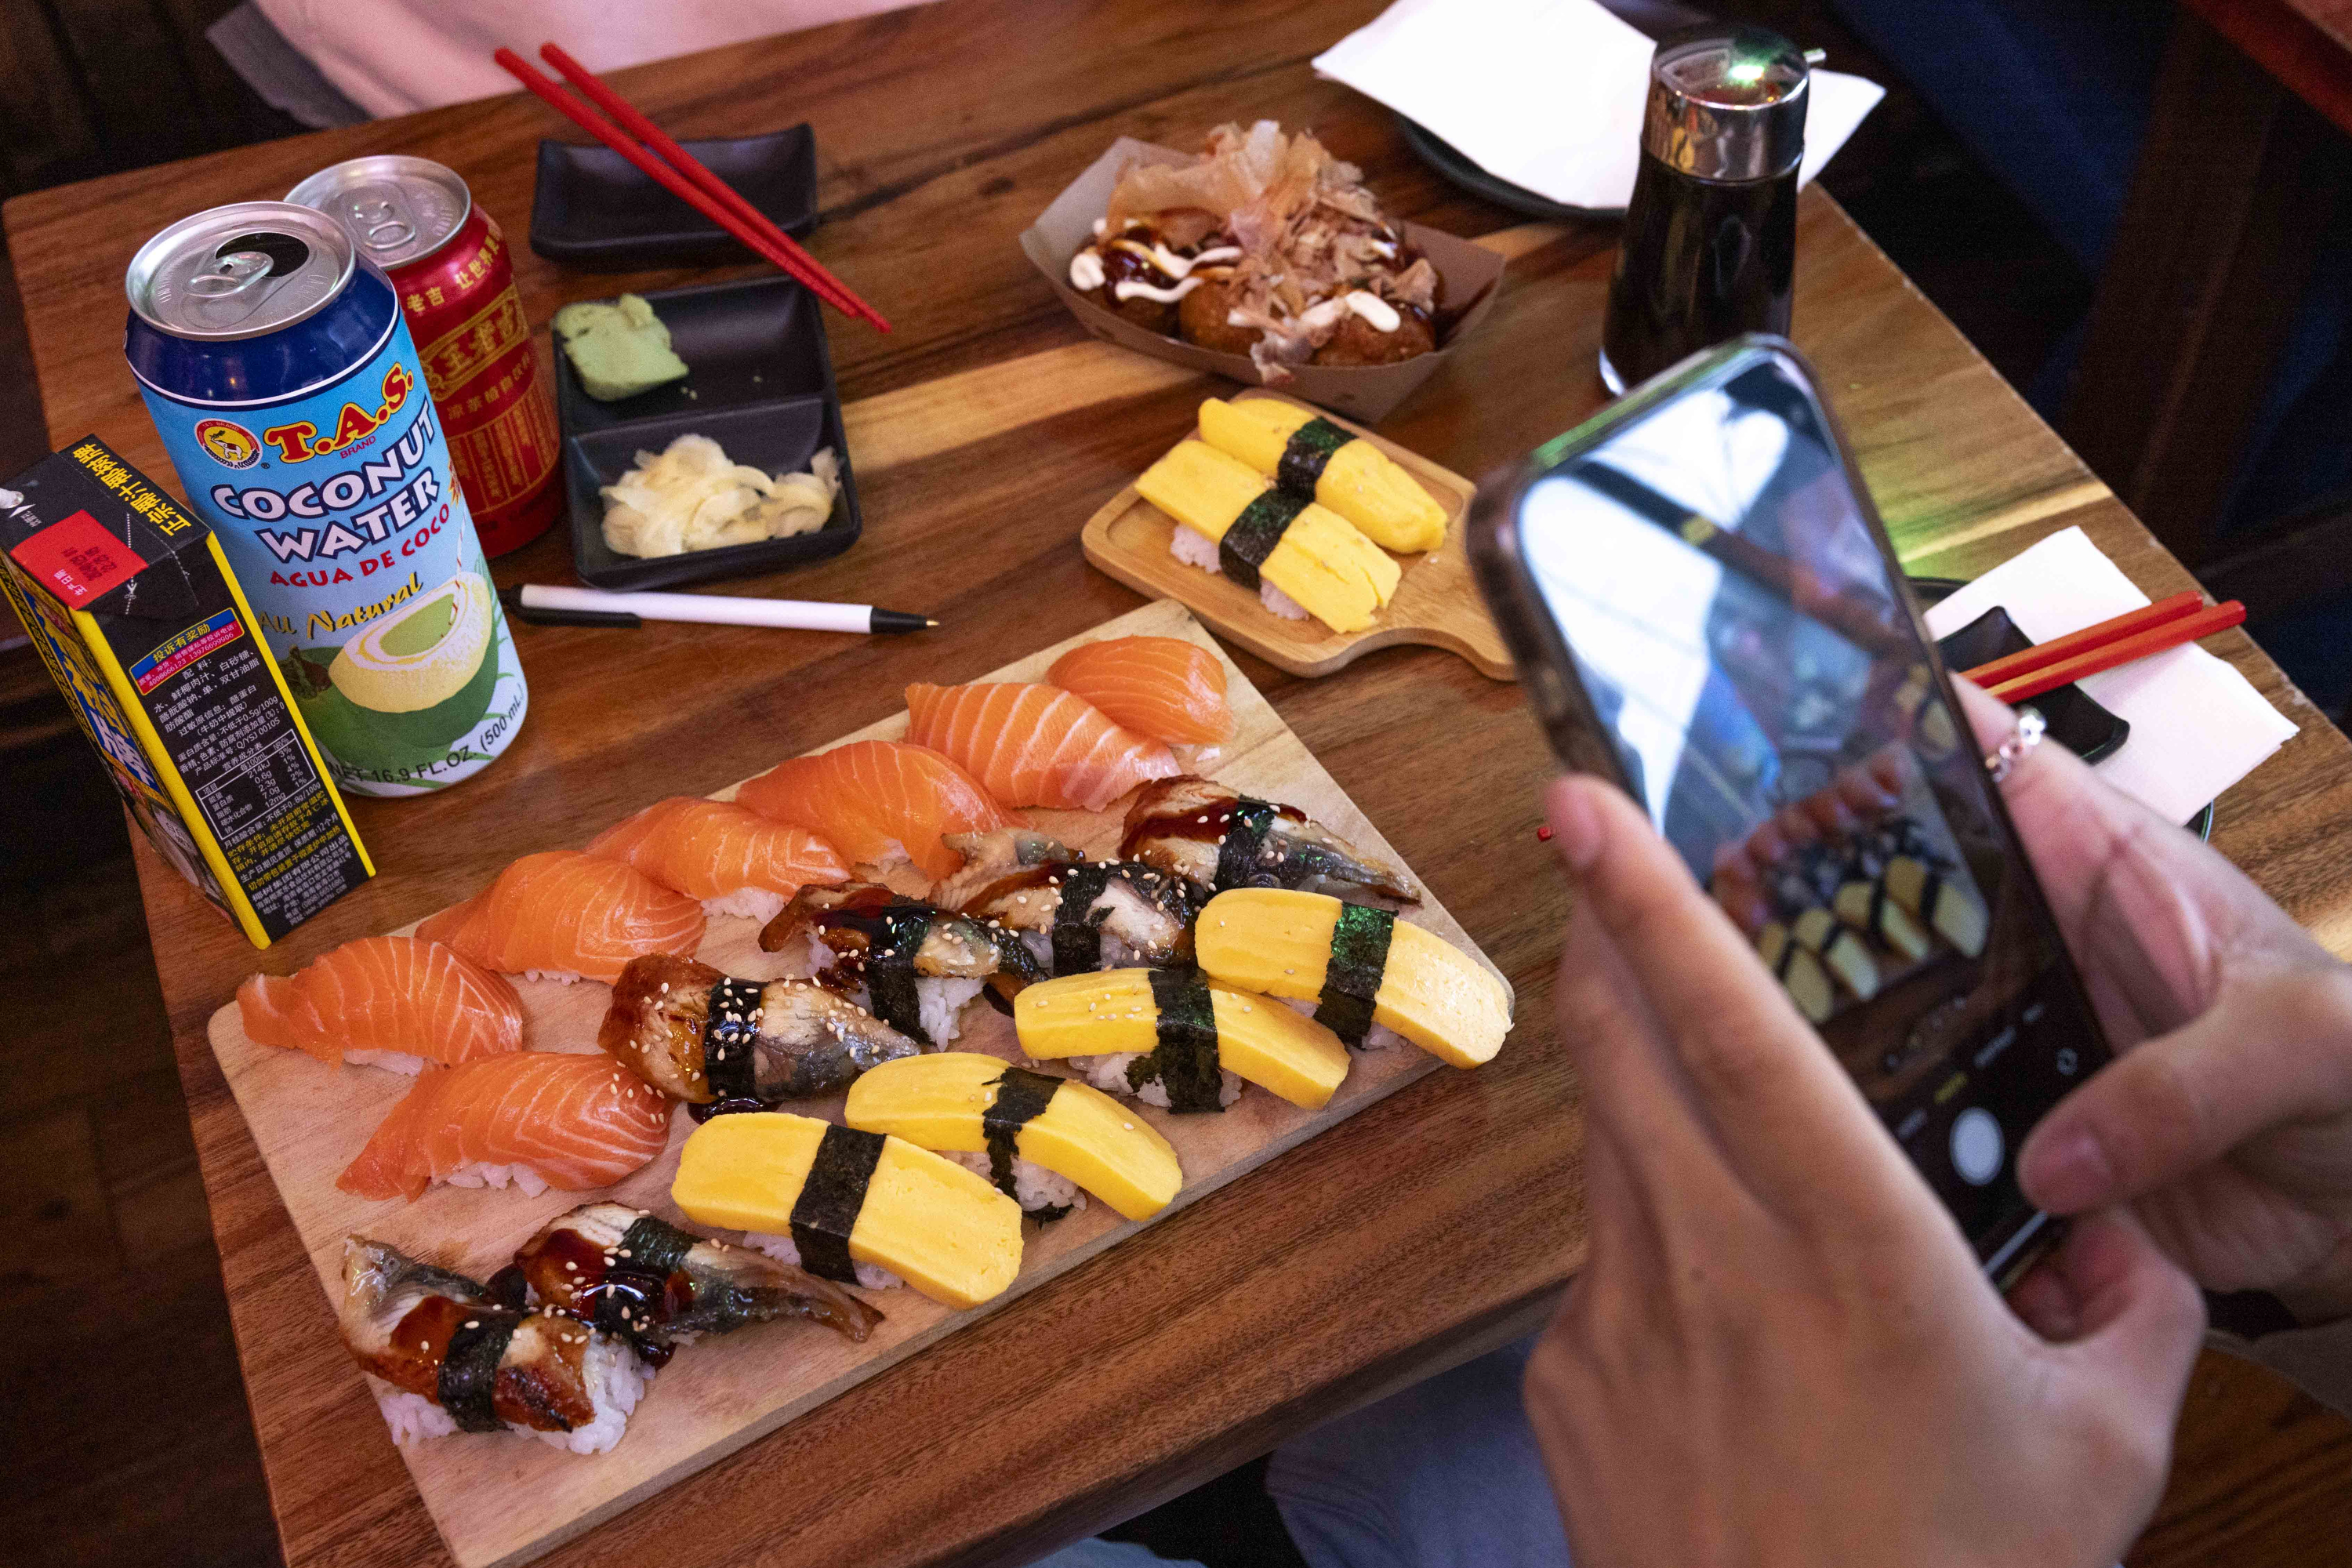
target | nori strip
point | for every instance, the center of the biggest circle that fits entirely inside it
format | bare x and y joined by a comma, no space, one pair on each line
730,1029
890,969
1304,455
1255,533
1359,956
1185,1060
1021,1096
469,1381
1077,931
653,1246
826,1210
1244,841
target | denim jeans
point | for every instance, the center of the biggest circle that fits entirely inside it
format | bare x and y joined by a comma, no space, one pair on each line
1443,1475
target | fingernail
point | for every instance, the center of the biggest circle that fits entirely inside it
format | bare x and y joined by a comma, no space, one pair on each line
1575,829
2067,1174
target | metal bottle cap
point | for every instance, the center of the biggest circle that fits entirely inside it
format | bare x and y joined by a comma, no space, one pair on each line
240,270
397,209
1728,106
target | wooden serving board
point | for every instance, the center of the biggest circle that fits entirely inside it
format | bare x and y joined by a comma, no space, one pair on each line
502,1499
1436,603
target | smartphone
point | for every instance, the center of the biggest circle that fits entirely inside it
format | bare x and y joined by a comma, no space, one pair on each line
1705,607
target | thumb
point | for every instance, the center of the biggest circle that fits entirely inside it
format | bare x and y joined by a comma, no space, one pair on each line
2137,1318
2269,1052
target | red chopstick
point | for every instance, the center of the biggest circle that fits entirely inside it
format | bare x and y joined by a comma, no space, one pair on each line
2009,666
795,262
2109,653
627,116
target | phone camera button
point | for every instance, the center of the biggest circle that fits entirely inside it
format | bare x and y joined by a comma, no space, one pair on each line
1976,1146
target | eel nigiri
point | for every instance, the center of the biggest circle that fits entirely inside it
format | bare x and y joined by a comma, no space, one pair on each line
778,1039
912,965
391,1002
729,856
1034,745
538,1119
559,915
1219,839
877,802
444,1355
1166,687
632,1274
1073,913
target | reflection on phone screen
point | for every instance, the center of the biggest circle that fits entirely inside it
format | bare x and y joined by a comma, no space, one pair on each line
1740,634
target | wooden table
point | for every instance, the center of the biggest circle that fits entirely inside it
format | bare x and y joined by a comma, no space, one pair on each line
984,430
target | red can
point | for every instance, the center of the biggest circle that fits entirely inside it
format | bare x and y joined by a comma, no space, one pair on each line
417,221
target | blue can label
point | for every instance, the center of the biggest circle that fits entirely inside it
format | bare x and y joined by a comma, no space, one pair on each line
349,533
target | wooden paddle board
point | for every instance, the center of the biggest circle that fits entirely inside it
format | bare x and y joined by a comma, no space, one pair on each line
1436,602
503,1499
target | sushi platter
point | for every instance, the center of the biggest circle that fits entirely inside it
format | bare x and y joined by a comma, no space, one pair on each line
499,1499
1435,603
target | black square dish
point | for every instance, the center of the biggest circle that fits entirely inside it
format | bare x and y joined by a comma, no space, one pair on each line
2077,723
752,342
760,384
591,209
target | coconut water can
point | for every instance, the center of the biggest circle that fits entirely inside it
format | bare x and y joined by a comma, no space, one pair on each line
288,392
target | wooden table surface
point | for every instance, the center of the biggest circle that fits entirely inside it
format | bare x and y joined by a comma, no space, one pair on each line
985,430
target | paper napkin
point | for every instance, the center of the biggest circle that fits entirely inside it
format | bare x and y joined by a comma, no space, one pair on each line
2197,725
1547,94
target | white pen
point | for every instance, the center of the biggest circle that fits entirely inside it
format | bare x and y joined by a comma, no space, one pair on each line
548,604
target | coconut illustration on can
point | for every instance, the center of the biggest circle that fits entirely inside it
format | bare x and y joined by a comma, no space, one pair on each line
409,683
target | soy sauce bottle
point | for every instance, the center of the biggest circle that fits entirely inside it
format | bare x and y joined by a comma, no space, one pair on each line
1710,247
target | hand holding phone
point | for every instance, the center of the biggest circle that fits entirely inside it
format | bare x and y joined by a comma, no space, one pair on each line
1704,608
1779,1350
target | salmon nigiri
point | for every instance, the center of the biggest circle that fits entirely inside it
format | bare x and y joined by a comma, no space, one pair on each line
391,1002
1035,745
733,859
876,801
559,915
537,1119
1166,687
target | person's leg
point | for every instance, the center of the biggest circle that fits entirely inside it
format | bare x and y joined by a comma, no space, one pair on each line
1443,1475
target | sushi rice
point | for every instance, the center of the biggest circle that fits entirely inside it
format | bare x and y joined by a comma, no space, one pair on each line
612,1372
761,904
940,998
1200,550
391,1061
784,1249
561,977
1109,1074
522,1178
1033,1186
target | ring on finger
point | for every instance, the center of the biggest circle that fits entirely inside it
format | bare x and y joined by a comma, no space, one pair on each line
2022,737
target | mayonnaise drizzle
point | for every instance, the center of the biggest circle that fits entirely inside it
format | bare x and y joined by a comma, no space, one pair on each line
1377,312
1129,288
1172,265
1087,271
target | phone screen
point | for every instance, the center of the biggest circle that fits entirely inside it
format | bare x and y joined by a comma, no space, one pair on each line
1733,615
